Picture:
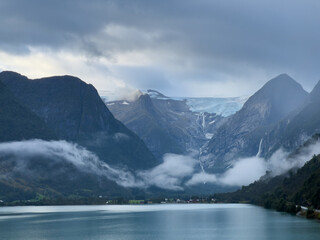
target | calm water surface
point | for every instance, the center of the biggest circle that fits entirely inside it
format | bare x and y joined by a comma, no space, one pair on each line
152,222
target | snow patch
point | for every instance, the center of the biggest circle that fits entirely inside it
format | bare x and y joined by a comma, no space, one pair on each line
209,135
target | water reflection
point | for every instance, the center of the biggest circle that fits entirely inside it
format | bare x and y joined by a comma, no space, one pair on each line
199,221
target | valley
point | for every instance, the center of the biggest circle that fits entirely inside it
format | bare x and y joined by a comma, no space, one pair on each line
153,146
176,120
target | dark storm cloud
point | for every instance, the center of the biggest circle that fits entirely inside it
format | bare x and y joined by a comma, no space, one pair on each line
194,41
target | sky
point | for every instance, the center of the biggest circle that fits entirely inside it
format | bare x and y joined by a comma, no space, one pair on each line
179,47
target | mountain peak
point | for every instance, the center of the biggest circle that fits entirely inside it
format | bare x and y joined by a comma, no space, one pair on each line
12,75
6,72
279,88
283,76
282,80
277,98
145,103
145,98
242,132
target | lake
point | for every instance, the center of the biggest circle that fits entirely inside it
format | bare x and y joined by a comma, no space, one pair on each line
152,222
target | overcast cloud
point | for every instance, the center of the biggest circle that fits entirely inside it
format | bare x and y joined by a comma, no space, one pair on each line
182,48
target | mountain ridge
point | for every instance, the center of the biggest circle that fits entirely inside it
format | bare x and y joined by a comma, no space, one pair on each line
74,110
297,127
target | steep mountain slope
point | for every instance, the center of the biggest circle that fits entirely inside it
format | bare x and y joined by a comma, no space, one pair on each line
242,132
166,125
74,110
144,119
23,177
296,128
17,122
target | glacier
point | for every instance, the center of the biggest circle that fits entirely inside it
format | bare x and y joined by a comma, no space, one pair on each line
220,106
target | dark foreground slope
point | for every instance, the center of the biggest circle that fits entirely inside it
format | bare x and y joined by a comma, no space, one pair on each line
301,187
38,121
75,112
52,178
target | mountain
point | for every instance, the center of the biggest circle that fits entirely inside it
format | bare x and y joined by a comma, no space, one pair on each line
241,134
76,113
296,128
166,125
18,122
143,118
23,178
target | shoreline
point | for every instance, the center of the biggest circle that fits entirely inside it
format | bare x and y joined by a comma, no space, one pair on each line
303,212
299,211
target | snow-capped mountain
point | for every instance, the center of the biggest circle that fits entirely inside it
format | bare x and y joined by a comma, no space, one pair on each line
220,106
167,125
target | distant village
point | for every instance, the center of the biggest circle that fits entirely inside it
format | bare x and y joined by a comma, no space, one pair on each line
190,200
102,200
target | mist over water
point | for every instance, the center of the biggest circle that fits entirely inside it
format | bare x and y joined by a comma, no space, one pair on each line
174,173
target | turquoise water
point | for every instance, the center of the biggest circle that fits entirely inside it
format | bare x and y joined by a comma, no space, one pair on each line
152,222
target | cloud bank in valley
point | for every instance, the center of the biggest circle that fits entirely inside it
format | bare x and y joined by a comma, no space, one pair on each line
247,170
171,173
175,172
84,160
167,175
